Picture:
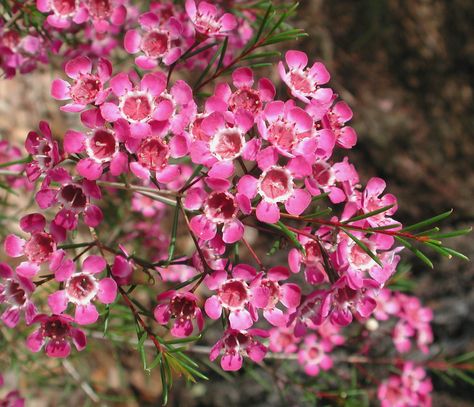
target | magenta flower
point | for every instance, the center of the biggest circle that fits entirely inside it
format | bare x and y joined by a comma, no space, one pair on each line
236,344
333,118
275,185
267,292
206,20
213,251
220,209
15,292
311,261
102,147
182,306
371,201
104,13
157,41
234,295
38,248
44,149
74,199
304,83
283,340
313,355
57,332
245,97
137,104
62,12
288,128
224,141
86,87
83,287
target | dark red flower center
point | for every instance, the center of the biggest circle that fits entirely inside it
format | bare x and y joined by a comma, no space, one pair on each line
220,207
55,328
182,307
73,197
15,293
102,145
81,288
153,153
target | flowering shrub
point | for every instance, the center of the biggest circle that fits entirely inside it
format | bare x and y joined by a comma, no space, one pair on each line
220,155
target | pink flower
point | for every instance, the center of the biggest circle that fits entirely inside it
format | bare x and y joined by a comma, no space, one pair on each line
275,185
38,248
44,149
304,83
237,344
219,208
313,355
157,41
206,20
371,201
213,251
104,12
62,12
83,287
224,139
137,105
267,292
122,269
182,306
333,118
86,88
234,295
15,292
288,128
102,148
56,331
245,97
283,340
73,197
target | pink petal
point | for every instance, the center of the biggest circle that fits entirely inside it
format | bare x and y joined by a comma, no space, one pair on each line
182,329
58,301
107,290
162,313
110,112
298,202
242,77
86,314
94,264
213,307
35,341
202,227
278,273
121,84
57,349
232,232
27,269
89,169
13,246
74,141
60,89
296,59
93,216
131,42
290,295
35,222
240,319
247,185
77,66
276,317
268,212
231,362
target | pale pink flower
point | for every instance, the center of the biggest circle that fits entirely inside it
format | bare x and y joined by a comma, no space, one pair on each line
86,87
304,82
62,12
156,41
313,355
207,21
81,288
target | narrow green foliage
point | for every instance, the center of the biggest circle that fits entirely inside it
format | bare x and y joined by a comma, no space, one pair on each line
415,251
428,222
364,247
369,214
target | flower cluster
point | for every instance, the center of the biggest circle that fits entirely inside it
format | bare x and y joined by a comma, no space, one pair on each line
235,161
